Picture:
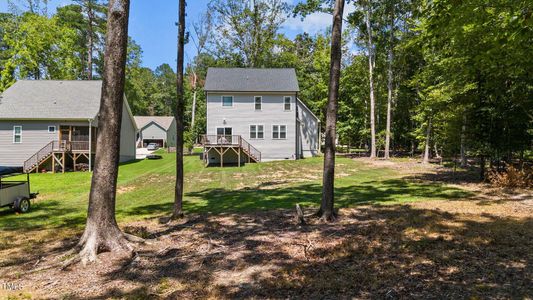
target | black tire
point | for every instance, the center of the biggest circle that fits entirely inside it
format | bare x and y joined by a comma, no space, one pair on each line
22,205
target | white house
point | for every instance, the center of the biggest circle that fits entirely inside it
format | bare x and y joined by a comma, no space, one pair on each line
255,115
158,130
52,125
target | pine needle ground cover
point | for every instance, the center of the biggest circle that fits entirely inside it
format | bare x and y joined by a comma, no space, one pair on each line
403,232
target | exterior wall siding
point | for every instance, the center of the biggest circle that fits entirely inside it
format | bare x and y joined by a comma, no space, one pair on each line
243,114
34,137
128,134
153,132
309,139
171,135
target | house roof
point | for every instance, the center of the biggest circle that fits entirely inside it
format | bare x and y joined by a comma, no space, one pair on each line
251,80
163,122
51,99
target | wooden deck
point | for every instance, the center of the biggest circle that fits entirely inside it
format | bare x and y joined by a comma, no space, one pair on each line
221,144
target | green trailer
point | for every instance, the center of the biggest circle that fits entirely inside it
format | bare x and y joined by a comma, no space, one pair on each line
15,193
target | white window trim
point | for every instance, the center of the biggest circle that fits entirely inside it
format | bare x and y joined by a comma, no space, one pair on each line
14,134
256,131
52,126
222,101
290,103
261,104
223,127
279,132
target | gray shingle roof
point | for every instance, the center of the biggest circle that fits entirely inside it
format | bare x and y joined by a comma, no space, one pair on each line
164,122
51,99
251,80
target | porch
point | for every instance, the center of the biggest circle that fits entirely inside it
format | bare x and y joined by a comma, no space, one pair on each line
228,149
73,151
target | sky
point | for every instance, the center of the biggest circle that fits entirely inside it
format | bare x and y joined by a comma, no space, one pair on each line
152,26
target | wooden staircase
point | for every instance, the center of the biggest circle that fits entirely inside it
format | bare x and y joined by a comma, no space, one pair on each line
223,143
35,161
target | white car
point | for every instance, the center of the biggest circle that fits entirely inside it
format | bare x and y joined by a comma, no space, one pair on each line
152,147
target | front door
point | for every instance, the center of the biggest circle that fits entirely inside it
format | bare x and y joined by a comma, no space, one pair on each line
224,135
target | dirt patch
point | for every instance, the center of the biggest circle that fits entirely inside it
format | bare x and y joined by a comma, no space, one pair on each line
451,249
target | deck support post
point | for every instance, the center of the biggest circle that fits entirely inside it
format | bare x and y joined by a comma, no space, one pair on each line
63,169
239,157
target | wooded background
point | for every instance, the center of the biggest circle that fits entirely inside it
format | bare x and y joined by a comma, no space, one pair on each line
456,76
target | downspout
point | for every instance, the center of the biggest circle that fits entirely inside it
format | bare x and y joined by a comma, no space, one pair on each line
298,126
90,144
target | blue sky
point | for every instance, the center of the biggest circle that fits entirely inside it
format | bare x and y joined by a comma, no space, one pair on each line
152,25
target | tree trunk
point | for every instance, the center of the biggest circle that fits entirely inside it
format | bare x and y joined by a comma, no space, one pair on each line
371,63
102,232
464,161
178,196
90,44
389,87
326,211
428,135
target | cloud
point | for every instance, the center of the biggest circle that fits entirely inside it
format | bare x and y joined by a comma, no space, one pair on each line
314,22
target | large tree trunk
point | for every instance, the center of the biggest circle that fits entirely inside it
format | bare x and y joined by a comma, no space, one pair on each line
326,211
428,136
389,87
371,63
102,232
178,195
463,143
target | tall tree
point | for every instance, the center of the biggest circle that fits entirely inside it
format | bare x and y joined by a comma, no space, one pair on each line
390,83
101,231
179,111
371,66
327,211
246,30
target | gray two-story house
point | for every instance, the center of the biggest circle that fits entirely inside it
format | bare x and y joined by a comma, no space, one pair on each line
255,115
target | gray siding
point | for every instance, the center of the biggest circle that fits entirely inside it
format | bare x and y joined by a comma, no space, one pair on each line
171,135
153,131
243,114
127,136
309,132
34,137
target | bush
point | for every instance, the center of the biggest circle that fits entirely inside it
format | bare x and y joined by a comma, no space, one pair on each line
511,177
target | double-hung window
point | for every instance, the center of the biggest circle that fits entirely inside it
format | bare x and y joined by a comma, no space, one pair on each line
256,132
17,134
287,103
258,102
279,132
227,101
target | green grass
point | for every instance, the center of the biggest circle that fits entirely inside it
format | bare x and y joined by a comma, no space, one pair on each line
145,190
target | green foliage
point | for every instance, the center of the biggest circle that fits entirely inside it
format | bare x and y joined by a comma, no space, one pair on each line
39,48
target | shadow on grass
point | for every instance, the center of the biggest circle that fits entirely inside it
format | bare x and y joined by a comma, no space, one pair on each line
276,195
381,252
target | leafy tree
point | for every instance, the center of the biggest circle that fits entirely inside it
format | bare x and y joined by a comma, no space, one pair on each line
246,30
39,48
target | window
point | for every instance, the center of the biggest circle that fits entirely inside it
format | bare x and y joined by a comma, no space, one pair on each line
17,134
287,102
256,132
258,101
279,132
227,101
51,129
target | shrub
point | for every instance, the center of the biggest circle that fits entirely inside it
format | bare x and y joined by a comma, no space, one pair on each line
511,177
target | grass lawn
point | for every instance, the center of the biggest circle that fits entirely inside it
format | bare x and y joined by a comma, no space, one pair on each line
404,232
145,190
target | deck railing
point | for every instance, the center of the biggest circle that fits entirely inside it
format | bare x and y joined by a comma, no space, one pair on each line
56,146
231,140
